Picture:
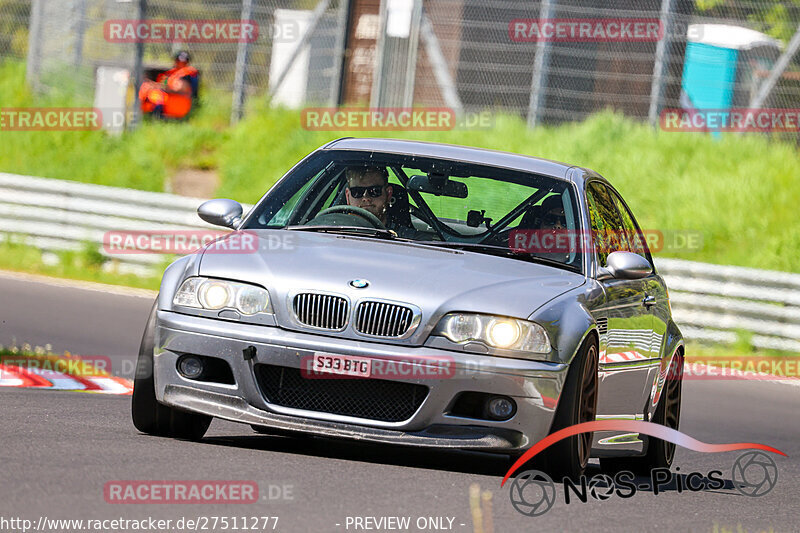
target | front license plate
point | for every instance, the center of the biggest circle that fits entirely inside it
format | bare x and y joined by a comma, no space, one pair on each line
344,365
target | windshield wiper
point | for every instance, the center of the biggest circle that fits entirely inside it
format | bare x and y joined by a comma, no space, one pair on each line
350,230
501,251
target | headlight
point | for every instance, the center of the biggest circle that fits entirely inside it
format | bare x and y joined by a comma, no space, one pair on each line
251,300
494,331
503,333
215,294
205,293
462,327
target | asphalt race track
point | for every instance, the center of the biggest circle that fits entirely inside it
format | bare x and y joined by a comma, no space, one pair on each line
60,448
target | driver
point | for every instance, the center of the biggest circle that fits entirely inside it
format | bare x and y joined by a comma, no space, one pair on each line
553,217
553,221
368,188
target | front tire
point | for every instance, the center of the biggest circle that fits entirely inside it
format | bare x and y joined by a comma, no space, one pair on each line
660,453
578,403
150,416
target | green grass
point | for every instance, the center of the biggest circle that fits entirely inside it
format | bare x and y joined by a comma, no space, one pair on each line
85,265
741,192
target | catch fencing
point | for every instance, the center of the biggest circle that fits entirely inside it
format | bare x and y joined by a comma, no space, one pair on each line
713,303
464,54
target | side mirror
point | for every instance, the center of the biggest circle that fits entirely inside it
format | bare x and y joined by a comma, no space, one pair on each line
625,265
221,212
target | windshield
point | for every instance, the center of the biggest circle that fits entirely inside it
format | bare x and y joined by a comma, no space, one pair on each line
433,201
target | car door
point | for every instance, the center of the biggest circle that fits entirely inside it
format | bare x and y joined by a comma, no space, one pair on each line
626,342
656,296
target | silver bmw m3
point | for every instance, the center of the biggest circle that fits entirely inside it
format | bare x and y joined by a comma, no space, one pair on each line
424,295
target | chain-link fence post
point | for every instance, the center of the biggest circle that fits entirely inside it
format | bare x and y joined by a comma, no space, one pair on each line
34,63
339,49
541,64
777,71
240,76
80,28
138,74
411,54
380,58
661,62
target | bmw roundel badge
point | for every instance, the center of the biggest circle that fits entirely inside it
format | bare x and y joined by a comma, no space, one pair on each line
359,283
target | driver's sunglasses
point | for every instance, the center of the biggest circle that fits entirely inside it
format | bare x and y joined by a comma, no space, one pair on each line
373,191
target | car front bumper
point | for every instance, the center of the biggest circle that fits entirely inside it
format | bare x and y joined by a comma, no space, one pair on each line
534,386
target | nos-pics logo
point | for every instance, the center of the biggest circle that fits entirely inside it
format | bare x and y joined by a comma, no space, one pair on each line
533,492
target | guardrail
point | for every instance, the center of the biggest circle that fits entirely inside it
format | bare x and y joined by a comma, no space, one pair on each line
718,303
710,302
59,215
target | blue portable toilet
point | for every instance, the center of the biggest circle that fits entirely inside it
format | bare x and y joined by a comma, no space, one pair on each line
722,65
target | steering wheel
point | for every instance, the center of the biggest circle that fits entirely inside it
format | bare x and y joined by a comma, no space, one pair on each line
353,210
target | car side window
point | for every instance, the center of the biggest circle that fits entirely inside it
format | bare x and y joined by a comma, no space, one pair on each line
636,242
282,216
607,225
336,195
298,201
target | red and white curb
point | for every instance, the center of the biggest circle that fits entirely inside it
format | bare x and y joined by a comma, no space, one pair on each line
40,378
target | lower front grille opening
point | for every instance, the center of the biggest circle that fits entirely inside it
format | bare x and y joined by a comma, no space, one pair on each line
373,399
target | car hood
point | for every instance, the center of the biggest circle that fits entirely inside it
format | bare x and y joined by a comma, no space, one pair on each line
436,280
